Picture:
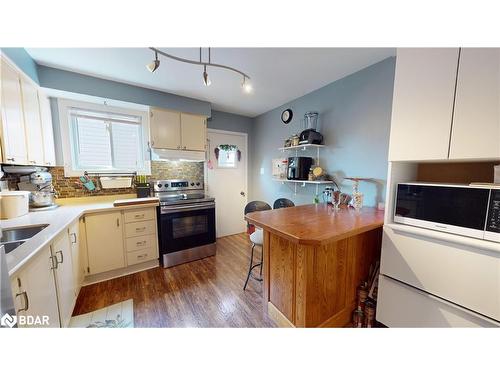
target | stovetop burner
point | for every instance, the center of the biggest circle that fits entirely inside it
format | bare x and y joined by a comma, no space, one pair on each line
180,192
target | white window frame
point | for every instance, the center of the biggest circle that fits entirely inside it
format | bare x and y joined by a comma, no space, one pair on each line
66,137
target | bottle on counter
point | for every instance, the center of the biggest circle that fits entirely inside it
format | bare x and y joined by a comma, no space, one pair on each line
369,313
362,296
358,318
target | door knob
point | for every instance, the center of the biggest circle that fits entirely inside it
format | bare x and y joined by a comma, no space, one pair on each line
242,193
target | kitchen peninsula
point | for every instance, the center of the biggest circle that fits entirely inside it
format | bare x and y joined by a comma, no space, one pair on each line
314,259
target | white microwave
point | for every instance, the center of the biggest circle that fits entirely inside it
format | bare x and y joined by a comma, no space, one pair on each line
459,209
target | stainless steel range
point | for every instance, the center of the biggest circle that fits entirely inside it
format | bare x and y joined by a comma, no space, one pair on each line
186,221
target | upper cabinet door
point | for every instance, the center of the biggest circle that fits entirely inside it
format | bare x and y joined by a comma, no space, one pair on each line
193,132
14,139
165,129
476,122
422,107
32,123
49,156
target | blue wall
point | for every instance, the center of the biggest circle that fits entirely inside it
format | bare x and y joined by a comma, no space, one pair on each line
23,60
83,84
355,114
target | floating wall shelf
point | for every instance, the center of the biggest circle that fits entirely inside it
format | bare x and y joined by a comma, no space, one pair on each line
301,147
303,183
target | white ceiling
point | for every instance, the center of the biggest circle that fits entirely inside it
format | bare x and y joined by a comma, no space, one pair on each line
278,75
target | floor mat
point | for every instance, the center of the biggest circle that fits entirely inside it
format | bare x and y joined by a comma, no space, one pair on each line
120,315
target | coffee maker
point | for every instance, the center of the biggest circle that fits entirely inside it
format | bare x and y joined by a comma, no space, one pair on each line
298,168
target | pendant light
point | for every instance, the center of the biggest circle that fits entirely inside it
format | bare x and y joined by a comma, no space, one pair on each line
206,78
246,85
153,65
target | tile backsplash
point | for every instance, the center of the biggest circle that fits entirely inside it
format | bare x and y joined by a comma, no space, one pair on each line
70,187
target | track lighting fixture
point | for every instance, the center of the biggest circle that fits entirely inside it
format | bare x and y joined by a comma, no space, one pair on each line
153,65
246,86
206,78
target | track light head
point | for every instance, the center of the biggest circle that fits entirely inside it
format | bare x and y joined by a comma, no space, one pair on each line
246,85
153,65
206,78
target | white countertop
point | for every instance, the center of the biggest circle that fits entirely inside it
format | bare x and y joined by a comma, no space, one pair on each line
58,219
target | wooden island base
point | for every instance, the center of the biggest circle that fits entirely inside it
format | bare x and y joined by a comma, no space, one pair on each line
312,283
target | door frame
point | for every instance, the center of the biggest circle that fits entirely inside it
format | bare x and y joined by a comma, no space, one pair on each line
245,136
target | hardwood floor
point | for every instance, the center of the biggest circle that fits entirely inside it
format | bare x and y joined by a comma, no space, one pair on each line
205,293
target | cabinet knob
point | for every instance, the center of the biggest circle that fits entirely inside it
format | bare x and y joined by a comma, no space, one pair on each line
184,147
11,159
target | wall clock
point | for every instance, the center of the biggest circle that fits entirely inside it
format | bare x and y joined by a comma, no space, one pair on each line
286,116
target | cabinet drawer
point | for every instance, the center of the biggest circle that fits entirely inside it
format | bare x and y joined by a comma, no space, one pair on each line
139,215
140,256
140,228
402,306
140,243
460,274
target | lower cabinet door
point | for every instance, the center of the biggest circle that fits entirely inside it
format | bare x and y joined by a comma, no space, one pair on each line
35,292
76,258
400,305
104,242
65,281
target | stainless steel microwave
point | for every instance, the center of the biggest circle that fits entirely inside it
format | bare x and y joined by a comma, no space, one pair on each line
459,209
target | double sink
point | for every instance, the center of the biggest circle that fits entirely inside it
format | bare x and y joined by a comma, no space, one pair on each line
12,238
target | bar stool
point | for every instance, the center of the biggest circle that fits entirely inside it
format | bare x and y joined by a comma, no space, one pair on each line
282,203
256,237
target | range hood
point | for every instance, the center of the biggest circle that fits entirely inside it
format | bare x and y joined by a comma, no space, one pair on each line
177,155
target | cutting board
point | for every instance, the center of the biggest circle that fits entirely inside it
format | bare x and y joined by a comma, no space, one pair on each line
135,201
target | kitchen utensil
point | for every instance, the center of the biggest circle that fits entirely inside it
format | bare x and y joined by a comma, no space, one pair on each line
14,203
42,198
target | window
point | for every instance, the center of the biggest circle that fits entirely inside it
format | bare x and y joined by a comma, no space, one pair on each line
102,139
227,159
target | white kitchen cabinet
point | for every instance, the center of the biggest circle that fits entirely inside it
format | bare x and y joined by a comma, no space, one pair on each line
13,131
35,291
49,156
104,242
32,123
476,120
65,281
424,87
193,132
165,129
76,255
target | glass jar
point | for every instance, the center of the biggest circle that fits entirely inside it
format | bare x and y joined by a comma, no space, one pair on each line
295,140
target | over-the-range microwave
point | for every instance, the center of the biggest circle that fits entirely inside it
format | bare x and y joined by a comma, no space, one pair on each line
472,211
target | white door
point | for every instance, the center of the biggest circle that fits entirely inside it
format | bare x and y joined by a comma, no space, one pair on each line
32,122
34,289
422,107
14,142
476,123
193,132
104,242
227,181
65,282
165,129
49,156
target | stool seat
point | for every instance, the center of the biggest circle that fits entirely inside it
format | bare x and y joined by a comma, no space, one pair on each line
257,237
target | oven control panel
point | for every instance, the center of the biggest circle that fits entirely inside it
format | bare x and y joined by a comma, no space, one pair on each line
175,185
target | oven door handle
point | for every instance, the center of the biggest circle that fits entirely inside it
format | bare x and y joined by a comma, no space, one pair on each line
183,208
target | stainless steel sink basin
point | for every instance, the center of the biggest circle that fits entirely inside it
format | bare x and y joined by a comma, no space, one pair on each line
19,234
9,246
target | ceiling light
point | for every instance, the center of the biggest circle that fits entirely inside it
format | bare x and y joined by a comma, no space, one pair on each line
246,85
206,78
153,65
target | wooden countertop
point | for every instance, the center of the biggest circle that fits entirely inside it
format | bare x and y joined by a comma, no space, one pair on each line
317,224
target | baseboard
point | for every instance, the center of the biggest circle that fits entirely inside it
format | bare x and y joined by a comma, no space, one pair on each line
278,317
97,278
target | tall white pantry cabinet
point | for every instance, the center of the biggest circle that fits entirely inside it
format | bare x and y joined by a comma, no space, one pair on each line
26,131
446,105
